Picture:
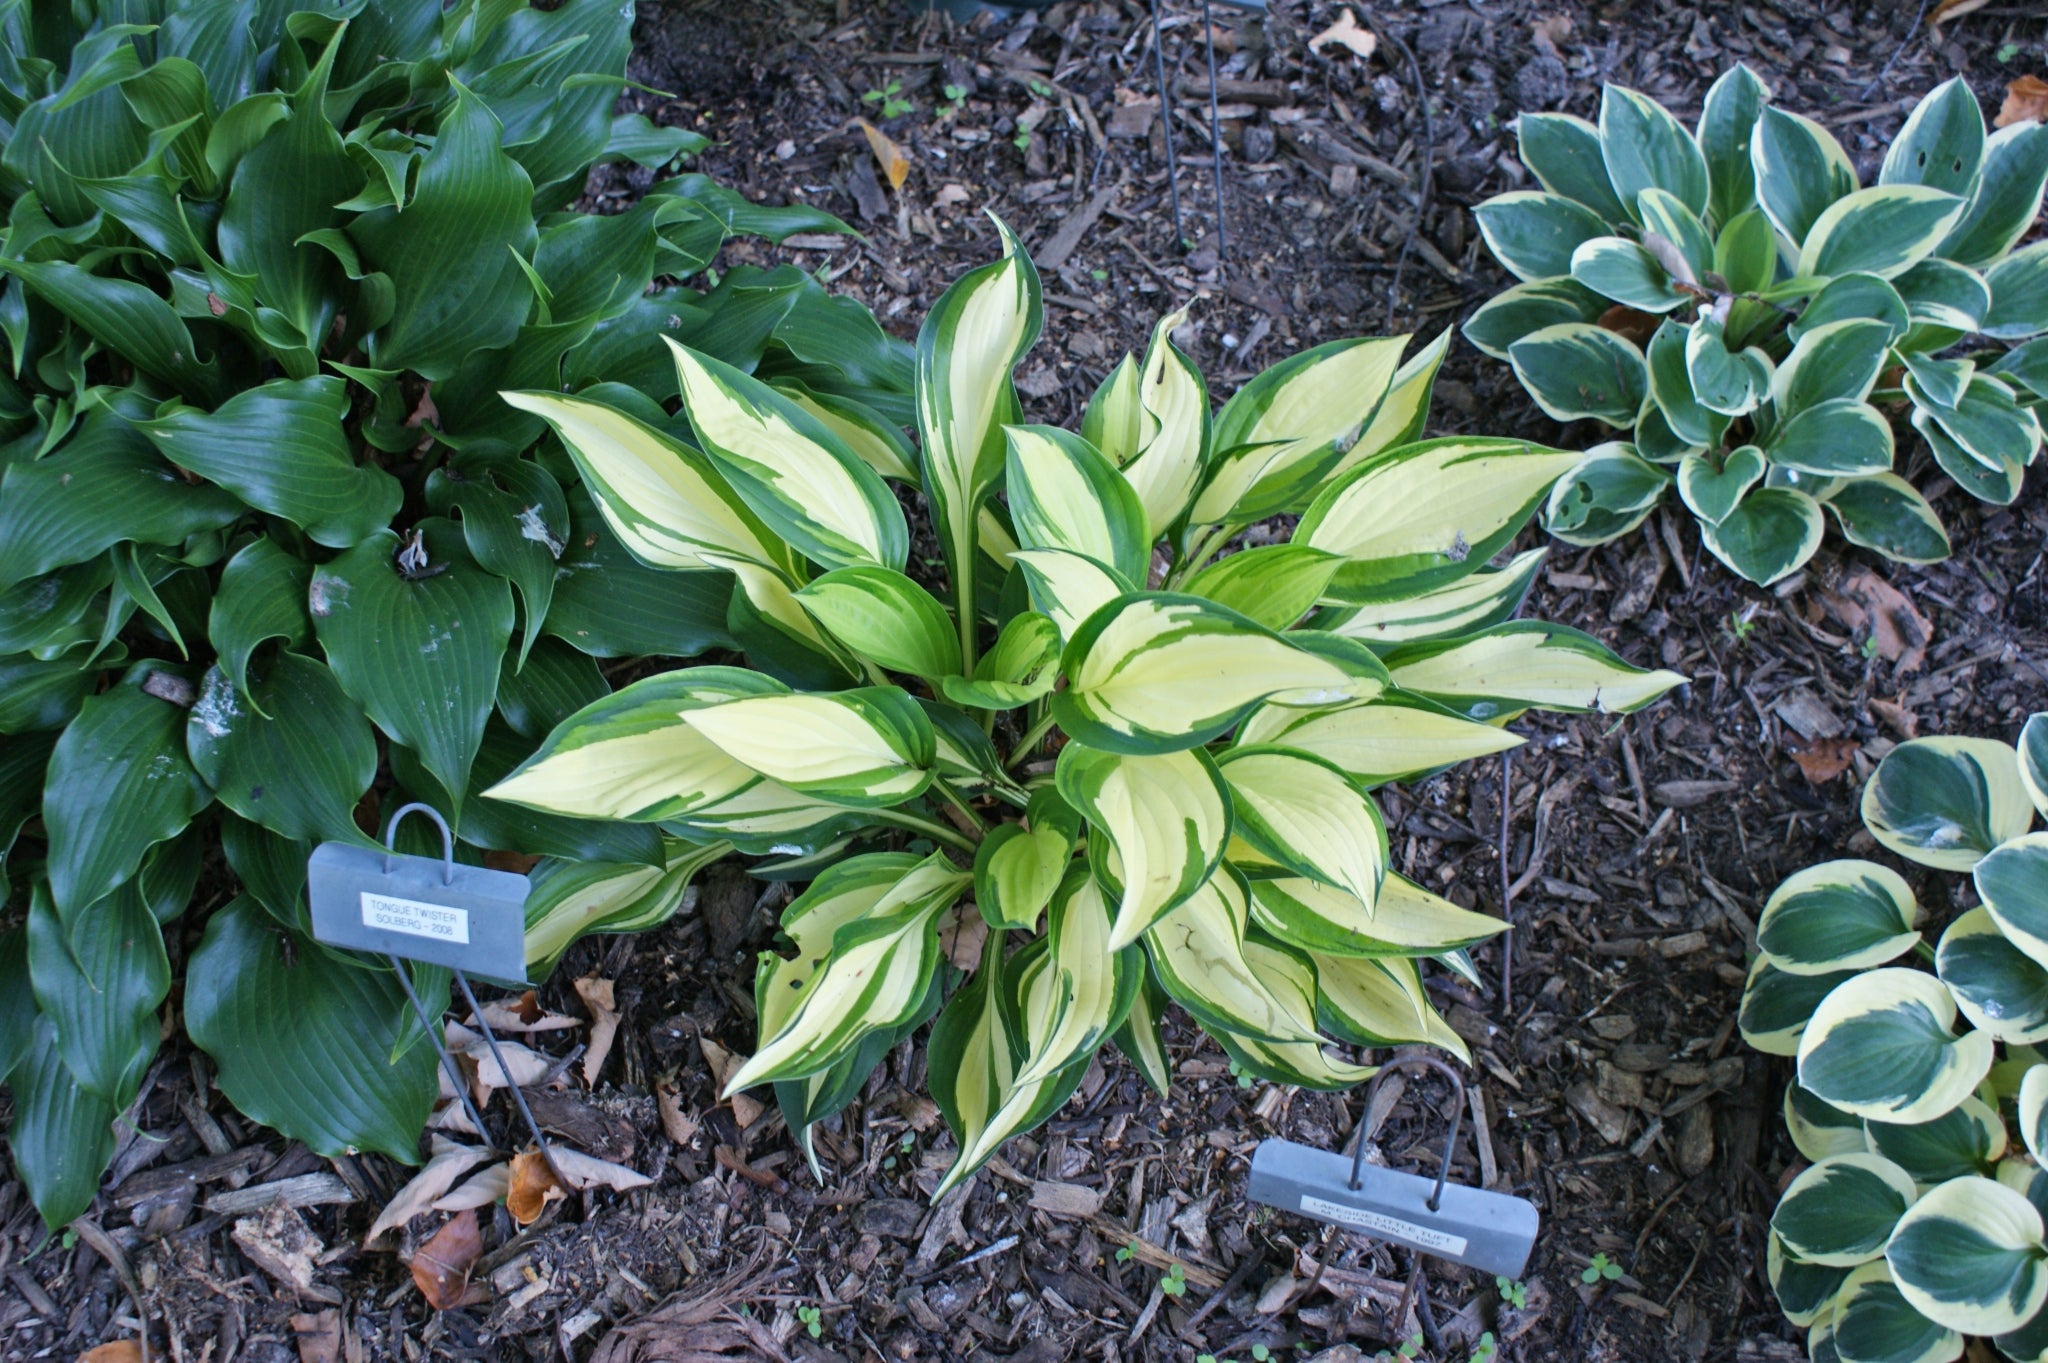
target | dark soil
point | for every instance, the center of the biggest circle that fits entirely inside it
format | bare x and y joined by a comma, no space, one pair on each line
1614,1090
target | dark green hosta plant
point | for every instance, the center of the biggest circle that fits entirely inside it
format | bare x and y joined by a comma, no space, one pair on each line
1150,771
1919,1221
265,525
1733,295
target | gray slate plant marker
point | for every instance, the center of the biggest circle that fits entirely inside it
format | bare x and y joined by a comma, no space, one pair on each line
430,909
1492,1232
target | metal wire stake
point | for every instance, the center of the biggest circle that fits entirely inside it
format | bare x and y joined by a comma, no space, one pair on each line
1215,141
518,1099
448,1064
1180,235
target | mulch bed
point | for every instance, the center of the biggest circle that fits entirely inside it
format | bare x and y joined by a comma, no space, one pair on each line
1609,1086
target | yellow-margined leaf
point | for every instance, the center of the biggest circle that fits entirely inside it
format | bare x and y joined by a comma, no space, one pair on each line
1777,1005
1116,421
867,943
1198,953
664,500
766,619
768,817
1274,584
1947,802
1291,979
1018,867
1821,1129
788,466
1155,672
1175,446
1805,1291
2033,1112
1423,516
1024,665
1486,598
631,756
1405,409
885,618
1839,915
1969,1255
571,899
1881,1046
1166,816
871,746
1389,739
1139,1037
1380,1002
1280,435
1068,588
1087,985
865,431
1307,816
1872,1320
1065,495
1407,921
1840,1212
1523,665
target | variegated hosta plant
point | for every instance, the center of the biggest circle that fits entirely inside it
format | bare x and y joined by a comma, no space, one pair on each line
1733,295
1919,1221
1150,771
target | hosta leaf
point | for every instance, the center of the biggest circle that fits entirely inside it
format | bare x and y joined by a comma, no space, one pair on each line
1625,271
1944,301
866,432
1676,235
1197,950
1380,1002
305,1042
789,468
1839,438
2033,752
1306,815
127,318
450,254
1392,738
2007,198
1769,535
1941,145
1728,117
1065,495
1016,869
1821,1129
1646,148
1427,514
296,757
1167,818
2008,882
1514,313
261,597
1273,584
1947,802
1885,513
99,974
1873,1323
515,523
1526,664
629,755
1713,493
1800,170
1023,665
1727,382
1839,915
1805,1291
1840,1212
38,697
1880,230
2019,294
572,899
1966,1141
17,1001
867,938
1777,1005
1609,493
1487,597
1086,985
119,783
1969,1256
1158,672
63,1134
1833,361
1563,152
1140,1040
420,656
1172,417
1576,370
1407,920
1534,234
1880,1046
885,618
608,604
1746,254
105,485
280,447
1986,421
1854,297
867,747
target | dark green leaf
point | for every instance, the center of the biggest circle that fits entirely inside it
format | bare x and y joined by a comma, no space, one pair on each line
46,615
119,783
23,760
17,1002
262,596
637,139
271,868
295,759
304,1042
40,696
515,522
555,682
99,975
281,447
126,318
610,605
63,1135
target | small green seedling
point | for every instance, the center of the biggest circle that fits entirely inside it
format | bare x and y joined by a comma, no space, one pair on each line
1260,1353
1513,1292
2007,51
1486,1350
813,1320
1412,1345
890,97
1602,1267
1740,623
1022,141
1244,1076
1870,647
1127,1252
1175,1282
956,96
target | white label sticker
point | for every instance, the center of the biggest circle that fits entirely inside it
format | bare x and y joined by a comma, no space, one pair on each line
1420,1236
409,916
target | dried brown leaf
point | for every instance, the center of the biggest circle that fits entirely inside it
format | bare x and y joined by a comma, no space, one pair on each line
598,998
279,1242
490,1185
1822,759
1953,9
319,1336
1626,321
680,1126
961,934
113,1351
441,1266
2026,101
1347,32
533,1186
895,165
1896,717
587,1171
722,1062
1863,599
449,1161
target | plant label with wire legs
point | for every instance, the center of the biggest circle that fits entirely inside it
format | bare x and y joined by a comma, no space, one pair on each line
468,918
1492,1232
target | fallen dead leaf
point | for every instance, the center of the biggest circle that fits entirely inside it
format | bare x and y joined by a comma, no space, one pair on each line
678,1125
745,1112
449,1161
1549,34
1896,717
524,1014
722,1062
490,1185
2026,101
1347,32
1822,759
441,1266
523,1065
1862,600
1953,9
950,196
895,165
587,1171
113,1351
319,1336
604,1024
1626,321
961,935
533,1186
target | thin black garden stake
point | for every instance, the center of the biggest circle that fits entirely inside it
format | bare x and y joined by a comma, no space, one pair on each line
1215,141
1166,123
